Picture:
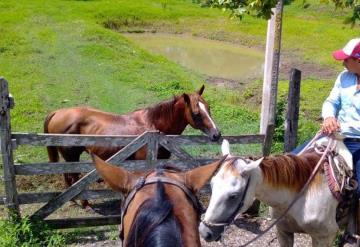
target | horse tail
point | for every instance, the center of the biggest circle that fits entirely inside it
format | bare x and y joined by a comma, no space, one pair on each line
52,150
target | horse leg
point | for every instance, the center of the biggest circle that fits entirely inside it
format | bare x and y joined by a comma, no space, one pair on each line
72,154
286,239
324,241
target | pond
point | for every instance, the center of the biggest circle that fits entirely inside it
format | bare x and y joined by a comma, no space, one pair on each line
212,58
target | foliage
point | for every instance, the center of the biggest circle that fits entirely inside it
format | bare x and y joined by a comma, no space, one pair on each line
280,120
25,233
262,8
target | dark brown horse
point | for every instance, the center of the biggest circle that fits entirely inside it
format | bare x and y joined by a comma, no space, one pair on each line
161,208
169,117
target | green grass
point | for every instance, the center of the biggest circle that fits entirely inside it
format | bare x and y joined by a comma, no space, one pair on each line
25,233
55,59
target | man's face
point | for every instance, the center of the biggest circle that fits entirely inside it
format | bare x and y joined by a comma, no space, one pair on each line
352,65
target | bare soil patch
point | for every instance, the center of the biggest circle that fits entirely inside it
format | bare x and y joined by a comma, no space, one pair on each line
243,230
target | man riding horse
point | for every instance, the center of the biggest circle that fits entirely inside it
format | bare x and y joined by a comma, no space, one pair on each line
341,110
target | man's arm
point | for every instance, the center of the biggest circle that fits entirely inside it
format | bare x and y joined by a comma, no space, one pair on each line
330,109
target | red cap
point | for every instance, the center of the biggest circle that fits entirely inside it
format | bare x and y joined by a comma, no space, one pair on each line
351,49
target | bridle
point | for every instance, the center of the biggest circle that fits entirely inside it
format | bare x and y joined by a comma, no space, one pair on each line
239,206
145,180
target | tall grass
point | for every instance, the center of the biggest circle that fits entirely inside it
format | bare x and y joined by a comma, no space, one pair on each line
16,232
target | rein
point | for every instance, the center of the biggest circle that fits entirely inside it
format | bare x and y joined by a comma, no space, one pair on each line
143,181
330,147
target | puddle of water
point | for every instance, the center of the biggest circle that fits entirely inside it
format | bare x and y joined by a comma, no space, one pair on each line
209,57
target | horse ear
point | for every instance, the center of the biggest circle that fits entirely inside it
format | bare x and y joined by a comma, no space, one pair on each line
186,98
252,165
225,147
201,90
116,177
198,177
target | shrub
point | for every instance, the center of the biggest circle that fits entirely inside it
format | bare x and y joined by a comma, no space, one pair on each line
23,233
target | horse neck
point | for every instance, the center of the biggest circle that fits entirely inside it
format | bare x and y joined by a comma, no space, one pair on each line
188,220
283,176
168,117
143,226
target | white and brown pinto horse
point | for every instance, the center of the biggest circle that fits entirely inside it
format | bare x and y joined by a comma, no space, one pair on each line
276,181
161,208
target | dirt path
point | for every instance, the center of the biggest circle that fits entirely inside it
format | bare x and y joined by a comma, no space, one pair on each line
239,233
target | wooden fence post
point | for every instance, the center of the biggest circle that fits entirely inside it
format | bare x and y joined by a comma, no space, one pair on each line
152,147
271,68
292,114
6,103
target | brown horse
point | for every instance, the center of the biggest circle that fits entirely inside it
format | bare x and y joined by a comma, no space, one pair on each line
169,117
161,208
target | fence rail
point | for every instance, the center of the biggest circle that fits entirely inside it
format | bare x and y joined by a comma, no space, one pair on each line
54,200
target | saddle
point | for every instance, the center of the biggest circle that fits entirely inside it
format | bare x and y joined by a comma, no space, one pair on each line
339,174
340,148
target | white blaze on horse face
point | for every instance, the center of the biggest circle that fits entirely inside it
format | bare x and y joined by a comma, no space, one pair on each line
228,186
223,202
203,109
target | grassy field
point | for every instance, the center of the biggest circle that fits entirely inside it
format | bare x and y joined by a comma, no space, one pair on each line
64,53
55,58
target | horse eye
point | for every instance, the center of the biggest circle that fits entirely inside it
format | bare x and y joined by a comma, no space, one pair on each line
232,197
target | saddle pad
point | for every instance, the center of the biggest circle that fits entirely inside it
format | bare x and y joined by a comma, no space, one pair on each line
341,149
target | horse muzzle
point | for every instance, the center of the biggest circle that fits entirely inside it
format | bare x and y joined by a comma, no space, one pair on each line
210,234
214,134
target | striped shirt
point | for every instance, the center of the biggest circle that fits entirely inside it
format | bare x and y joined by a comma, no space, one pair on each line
344,104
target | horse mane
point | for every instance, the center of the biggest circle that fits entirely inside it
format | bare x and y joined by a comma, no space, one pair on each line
288,170
155,223
161,110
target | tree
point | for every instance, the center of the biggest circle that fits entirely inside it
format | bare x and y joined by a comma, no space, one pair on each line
262,8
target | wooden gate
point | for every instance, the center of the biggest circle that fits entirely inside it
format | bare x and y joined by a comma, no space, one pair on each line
54,200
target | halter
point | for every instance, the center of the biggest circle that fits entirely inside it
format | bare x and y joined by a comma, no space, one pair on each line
143,181
239,206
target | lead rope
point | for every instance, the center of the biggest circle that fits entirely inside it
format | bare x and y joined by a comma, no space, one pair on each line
329,148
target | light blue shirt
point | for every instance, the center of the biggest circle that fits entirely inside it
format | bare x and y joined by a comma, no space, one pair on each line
344,104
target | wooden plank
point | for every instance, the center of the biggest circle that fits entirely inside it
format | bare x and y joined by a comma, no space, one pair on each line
41,197
6,149
38,139
271,66
204,140
292,114
92,176
268,140
84,167
152,147
53,168
82,222
172,147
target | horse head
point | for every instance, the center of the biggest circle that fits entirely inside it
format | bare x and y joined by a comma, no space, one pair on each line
197,113
233,191
167,194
